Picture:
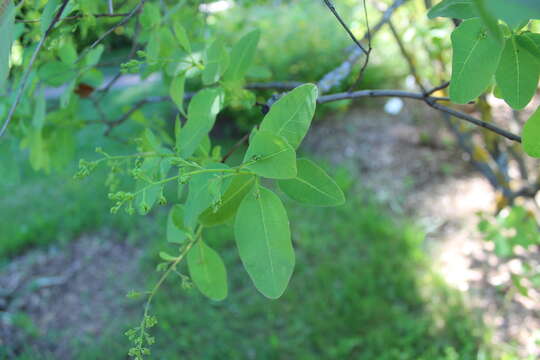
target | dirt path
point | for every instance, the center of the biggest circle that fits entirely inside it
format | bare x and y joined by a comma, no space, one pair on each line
409,162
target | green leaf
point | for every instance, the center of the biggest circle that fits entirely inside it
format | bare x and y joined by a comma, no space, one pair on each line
7,16
216,62
490,22
150,16
242,56
207,271
202,112
475,59
176,91
93,56
182,37
517,75
531,135
38,119
177,232
264,242
270,156
68,53
291,115
48,14
200,195
514,12
531,42
240,186
312,186
55,73
458,9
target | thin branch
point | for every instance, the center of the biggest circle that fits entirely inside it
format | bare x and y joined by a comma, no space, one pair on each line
278,85
432,102
331,7
235,147
139,104
26,75
370,48
337,75
122,22
75,17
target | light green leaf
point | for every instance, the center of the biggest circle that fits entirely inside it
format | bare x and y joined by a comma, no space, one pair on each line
291,115
68,53
270,156
148,194
240,186
202,112
150,16
93,56
207,271
264,242
216,62
531,135
48,14
242,56
177,232
312,186
531,42
475,59
176,91
7,16
517,75
182,37
199,196
458,9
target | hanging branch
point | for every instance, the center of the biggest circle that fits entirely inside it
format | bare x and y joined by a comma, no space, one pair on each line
26,75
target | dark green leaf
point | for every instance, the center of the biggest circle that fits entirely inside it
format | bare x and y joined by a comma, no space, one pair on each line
240,186
264,242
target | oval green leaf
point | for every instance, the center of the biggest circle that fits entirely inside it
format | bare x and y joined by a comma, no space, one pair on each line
270,156
264,242
207,271
475,59
242,56
291,115
517,75
216,62
312,186
202,112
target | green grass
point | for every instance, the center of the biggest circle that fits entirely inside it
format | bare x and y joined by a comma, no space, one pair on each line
362,289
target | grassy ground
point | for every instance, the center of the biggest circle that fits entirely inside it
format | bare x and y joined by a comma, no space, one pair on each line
362,288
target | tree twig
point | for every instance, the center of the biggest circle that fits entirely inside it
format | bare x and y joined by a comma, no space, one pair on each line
432,102
26,75
75,17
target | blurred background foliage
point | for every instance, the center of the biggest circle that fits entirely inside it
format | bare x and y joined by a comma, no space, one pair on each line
363,288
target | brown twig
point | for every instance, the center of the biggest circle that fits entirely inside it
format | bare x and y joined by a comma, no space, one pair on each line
432,102
75,17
